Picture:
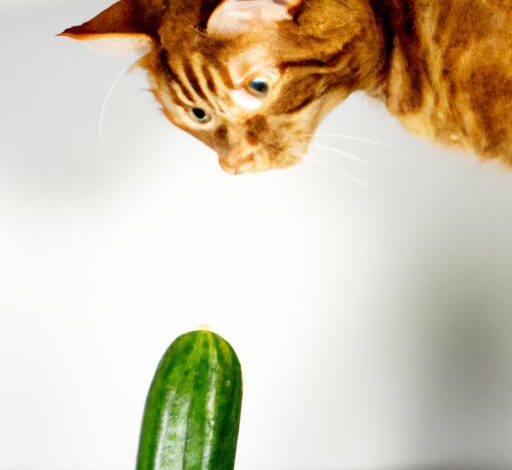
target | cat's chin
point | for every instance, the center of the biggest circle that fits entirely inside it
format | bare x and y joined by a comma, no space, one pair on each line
250,166
237,167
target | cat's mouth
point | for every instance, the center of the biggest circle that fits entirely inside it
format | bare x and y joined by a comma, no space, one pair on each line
244,164
252,162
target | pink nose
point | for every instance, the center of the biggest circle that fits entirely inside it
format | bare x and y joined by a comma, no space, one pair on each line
236,166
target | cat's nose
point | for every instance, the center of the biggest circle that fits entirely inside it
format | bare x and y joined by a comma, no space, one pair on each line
237,165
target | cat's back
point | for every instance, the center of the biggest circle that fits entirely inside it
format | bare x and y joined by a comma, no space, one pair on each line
466,54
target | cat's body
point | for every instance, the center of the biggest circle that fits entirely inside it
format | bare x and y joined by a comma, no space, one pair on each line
253,78
457,65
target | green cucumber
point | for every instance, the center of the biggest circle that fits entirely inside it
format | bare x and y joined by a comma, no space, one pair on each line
192,411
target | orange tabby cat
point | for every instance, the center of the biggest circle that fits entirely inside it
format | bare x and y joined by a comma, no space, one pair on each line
253,78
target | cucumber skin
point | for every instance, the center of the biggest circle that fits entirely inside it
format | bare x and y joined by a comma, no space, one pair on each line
192,413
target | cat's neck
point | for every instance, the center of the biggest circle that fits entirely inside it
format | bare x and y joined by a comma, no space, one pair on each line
403,75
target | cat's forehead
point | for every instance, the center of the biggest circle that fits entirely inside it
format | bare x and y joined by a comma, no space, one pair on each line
199,78
251,61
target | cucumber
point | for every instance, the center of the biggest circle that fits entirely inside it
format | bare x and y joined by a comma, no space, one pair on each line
192,413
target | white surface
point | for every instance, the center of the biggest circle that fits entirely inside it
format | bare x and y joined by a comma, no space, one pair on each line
373,325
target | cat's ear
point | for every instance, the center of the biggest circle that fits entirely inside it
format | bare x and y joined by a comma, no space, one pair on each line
120,20
236,16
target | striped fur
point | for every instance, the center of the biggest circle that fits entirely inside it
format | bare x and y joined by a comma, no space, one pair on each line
443,67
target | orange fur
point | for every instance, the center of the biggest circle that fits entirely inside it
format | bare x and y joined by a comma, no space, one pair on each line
444,68
459,54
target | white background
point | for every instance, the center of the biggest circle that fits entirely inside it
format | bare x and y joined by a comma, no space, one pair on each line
369,301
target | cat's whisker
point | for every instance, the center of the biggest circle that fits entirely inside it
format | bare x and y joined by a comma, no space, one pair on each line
340,152
351,178
347,176
349,137
107,99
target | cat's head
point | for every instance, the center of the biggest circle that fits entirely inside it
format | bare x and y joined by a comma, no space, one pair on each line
250,78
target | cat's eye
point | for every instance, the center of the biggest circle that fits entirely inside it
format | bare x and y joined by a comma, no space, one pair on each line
200,115
259,86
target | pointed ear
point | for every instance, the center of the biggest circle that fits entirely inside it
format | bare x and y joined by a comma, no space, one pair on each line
236,16
121,19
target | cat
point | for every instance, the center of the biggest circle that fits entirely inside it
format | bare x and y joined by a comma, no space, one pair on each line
254,78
